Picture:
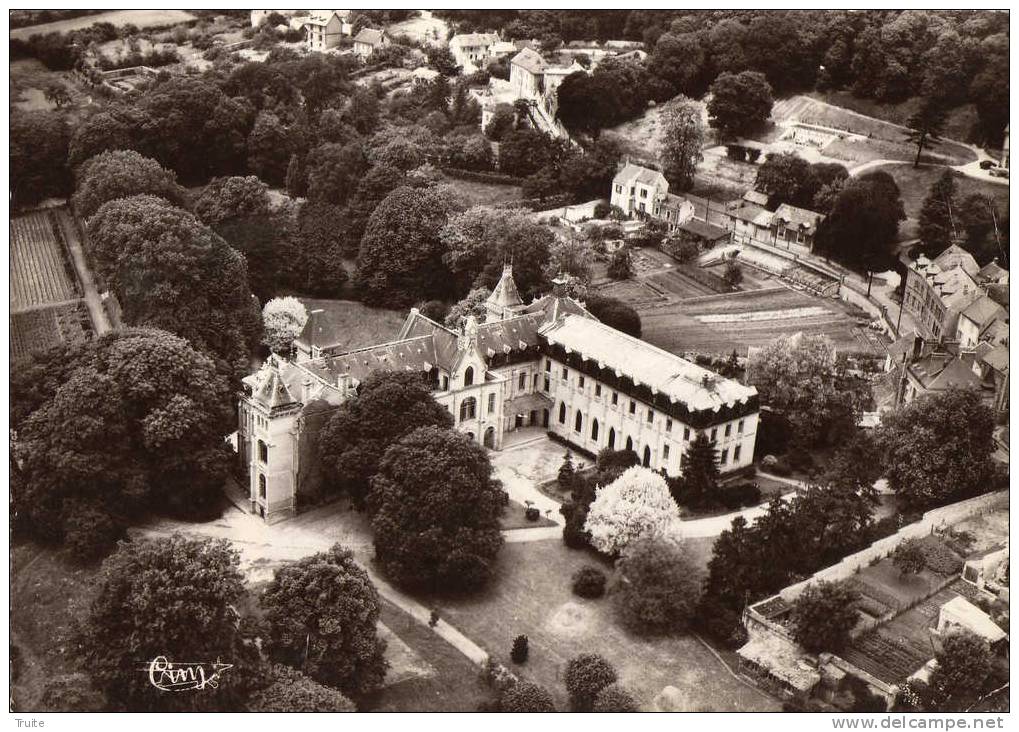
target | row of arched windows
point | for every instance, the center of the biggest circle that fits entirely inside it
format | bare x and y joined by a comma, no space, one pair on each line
578,426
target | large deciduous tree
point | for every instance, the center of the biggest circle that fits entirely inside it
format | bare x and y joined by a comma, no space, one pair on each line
290,691
740,103
121,174
938,448
638,503
283,319
926,123
322,612
400,259
585,676
231,197
130,424
170,271
38,156
823,616
334,171
481,240
964,665
436,511
863,224
616,313
173,598
387,406
660,585
682,142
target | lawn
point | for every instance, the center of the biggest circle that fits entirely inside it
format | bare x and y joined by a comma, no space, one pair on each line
513,518
483,194
958,126
915,184
532,596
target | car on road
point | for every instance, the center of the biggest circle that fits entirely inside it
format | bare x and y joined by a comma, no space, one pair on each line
986,164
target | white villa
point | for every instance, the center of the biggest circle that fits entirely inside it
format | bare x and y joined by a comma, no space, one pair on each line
548,364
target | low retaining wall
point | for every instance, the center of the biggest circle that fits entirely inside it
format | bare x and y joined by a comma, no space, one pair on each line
935,519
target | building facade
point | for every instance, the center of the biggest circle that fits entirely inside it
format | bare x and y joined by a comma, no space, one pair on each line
325,29
548,364
639,191
472,50
937,291
368,41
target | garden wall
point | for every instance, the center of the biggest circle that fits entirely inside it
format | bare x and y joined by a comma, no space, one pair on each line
935,519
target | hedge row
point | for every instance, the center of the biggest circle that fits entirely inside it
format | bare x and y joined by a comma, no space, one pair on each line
479,177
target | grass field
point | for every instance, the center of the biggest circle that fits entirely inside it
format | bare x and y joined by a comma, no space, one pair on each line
140,18
532,596
915,184
483,194
958,125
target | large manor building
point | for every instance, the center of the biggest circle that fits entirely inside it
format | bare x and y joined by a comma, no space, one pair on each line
549,364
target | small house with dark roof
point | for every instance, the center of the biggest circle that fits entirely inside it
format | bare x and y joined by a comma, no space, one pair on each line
368,41
794,228
549,365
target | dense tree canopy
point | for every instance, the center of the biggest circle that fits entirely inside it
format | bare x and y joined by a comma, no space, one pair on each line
170,271
121,174
401,255
964,664
37,157
637,504
863,223
130,424
660,584
616,313
176,598
436,511
585,676
481,240
823,616
322,612
740,103
387,406
938,448
231,197
291,691
682,142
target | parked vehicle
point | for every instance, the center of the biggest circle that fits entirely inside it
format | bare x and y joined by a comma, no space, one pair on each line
986,164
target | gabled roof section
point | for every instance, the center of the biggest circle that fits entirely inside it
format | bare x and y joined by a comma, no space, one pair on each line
370,36
798,217
275,384
647,176
553,307
983,311
759,198
412,354
469,40
650,366
703,230
956,256
993,272
529,60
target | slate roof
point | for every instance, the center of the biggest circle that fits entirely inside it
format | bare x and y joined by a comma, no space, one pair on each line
983,311
505,293
647,176
744,210
956,256
756,197
799,217
529,60
648,365
993,272
275,385
704,230
996,358
369,36
468,40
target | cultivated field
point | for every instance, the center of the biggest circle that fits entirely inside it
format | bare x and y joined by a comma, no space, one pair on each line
720,323
39,269
36,330
140,18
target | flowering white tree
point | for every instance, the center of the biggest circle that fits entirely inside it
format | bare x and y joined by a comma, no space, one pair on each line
284,319
637,503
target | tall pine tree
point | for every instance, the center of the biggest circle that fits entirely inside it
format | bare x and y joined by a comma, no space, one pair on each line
700,470
937,215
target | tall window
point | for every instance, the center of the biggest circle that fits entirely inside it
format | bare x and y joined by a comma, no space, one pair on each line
468,409
566,373
633,407
522,381
491,403
714,433
629,443
665,452
612,438
735,453
650,415
615,398
739,427
548,365
686,433
668,425
469,376
597,390
261,486
578,422
646,462
263,452
728,430
724,457
594,430
562,412
546,384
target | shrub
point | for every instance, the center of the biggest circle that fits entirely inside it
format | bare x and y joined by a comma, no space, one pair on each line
575,536
586,675
526,697
532,514
939,557
781,468
735,495
496,676
602,209
589,582
909,557
520,650
660,585
823,616
615,699
800,459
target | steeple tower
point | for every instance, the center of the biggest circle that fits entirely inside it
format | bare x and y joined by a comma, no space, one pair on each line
505,300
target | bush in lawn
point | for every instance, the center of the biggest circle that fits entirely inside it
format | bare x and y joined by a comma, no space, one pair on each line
496,676
532,514
586,675
909,557
614,699
637,503
575,536
734,496
589,582
660,585
292,691
823,616
525,697
520,650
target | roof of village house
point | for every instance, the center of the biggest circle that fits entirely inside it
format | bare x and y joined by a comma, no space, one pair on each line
529,60
956,256
758,197
993,272
996,357
322,17
503,47
983,311
704,230
783,659
954,286
996,332
744,210
941,370
370,36
469,40
634,172
661,371
796,216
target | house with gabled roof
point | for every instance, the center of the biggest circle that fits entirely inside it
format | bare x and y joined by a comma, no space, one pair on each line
324,29
472,50
368,41
548,364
